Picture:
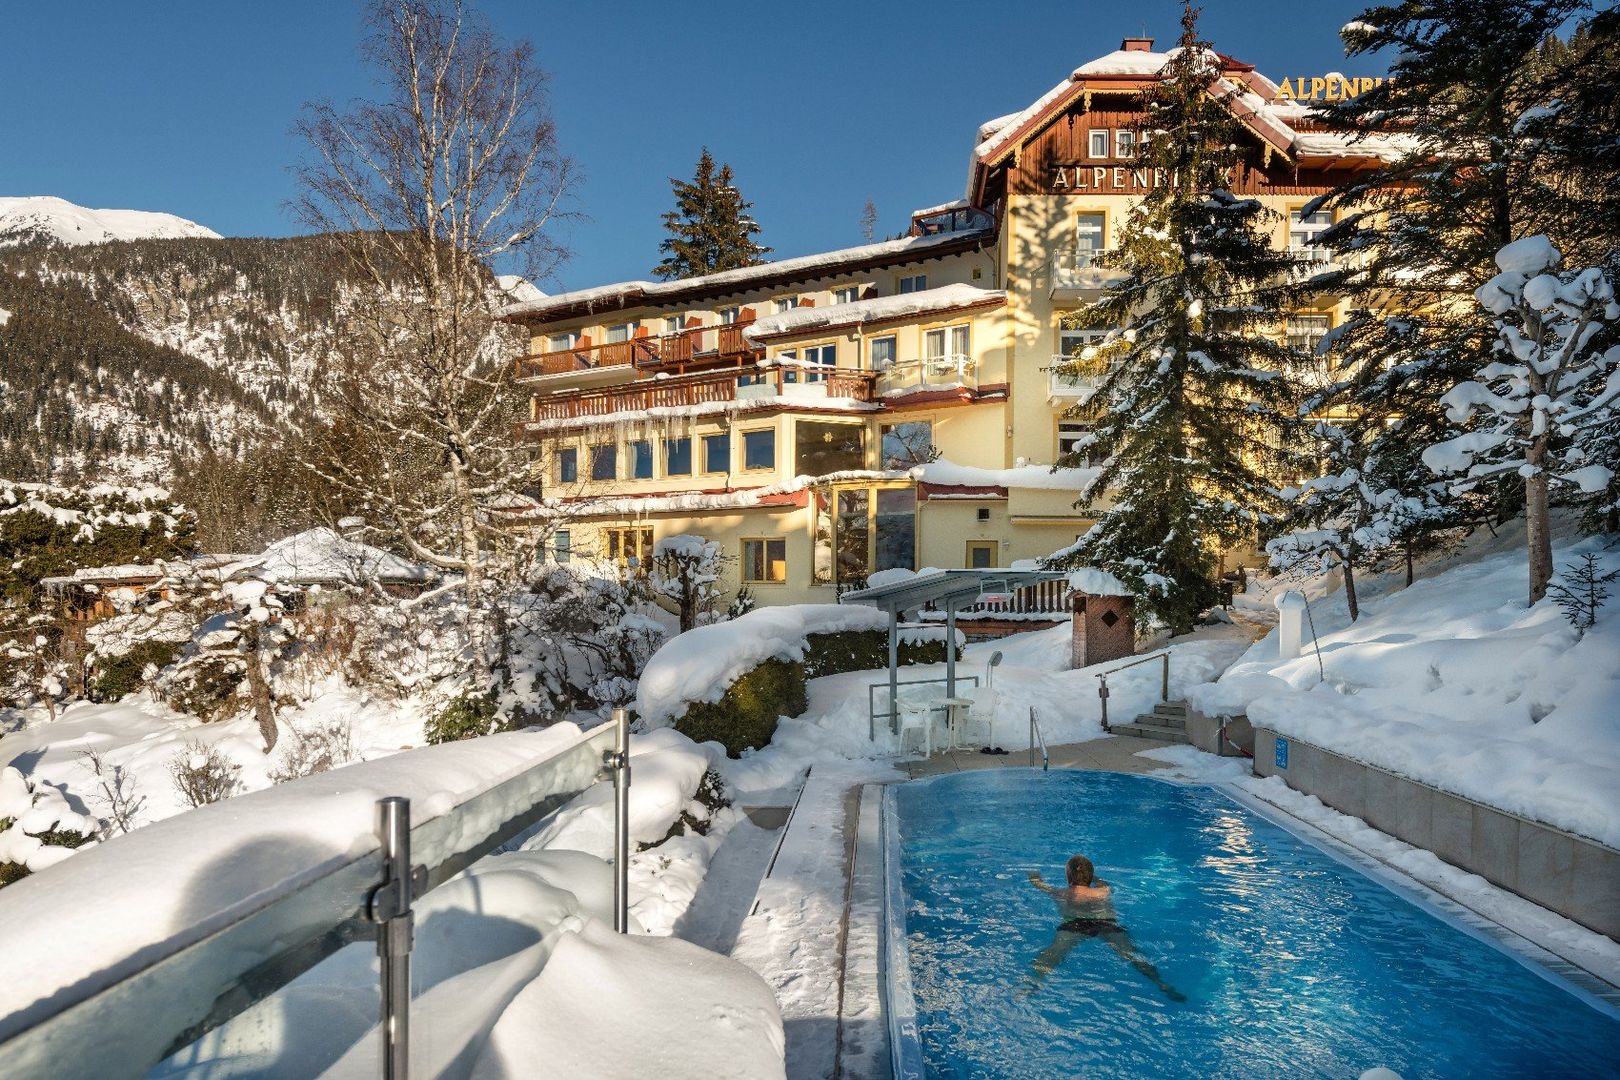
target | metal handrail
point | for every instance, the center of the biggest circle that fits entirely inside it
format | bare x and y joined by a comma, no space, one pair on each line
1036,735
871,698
1102,680
254,947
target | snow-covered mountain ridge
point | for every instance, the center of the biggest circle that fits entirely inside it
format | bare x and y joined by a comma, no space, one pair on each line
50,220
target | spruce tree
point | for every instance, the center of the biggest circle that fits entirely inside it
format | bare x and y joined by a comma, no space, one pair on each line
710,228
1415,237
1201,398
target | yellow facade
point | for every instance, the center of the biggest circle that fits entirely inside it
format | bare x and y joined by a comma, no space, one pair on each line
658,417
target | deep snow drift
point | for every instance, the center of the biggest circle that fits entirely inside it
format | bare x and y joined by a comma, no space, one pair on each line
1457,683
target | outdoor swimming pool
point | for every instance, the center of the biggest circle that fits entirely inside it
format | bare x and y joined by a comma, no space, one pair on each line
1292,963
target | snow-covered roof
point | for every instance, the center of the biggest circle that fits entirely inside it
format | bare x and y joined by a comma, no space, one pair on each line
322,556
828,262
1123,62
804,320
1026,477
518,289
1385,147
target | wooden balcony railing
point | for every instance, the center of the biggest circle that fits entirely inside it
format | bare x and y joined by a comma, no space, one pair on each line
700,343
736,384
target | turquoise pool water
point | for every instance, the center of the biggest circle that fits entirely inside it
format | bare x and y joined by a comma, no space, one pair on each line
1291,963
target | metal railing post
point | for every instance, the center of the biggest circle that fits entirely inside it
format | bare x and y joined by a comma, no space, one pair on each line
620,763
391,910
1032,736
1164,686
1102,697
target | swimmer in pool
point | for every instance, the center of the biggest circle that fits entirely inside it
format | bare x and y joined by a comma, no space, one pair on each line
1086,907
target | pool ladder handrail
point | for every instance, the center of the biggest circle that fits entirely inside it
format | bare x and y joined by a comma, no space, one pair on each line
1164,681
1037,737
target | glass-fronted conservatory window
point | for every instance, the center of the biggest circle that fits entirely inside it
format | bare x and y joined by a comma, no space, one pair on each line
908,444
819,449
860,530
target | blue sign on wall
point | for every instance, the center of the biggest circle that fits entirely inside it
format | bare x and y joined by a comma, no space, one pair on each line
1282,752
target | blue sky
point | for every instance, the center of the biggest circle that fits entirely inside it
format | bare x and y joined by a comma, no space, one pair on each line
187,107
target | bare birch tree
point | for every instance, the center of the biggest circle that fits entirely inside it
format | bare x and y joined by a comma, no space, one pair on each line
453,169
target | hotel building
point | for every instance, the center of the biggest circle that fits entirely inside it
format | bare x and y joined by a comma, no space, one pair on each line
894,404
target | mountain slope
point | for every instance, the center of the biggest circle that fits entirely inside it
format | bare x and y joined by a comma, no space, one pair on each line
49,220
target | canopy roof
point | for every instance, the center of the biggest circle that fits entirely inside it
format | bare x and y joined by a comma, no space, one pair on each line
947,588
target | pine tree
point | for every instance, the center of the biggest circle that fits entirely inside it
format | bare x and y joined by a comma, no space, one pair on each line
1418,235
869,217
1201,396
710,228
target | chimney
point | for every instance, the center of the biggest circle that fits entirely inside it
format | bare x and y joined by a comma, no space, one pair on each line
1136,44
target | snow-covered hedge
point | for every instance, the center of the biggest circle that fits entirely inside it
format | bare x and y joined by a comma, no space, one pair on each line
700,665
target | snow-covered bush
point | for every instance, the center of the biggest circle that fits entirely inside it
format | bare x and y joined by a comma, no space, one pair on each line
204,774
868,650
465,717
116,790
1546,390
38,828
745,716
684,571
313,748
115,676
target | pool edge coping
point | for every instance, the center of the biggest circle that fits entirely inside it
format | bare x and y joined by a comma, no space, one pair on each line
905,1041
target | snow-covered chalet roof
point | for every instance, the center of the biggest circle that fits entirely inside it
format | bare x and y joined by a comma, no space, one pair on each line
626,293
807,320
321,556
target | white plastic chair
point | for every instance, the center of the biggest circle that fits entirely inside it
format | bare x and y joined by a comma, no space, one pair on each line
917,716
981,718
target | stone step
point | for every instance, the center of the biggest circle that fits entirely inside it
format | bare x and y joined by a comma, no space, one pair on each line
1177,709
1157,732
1160,720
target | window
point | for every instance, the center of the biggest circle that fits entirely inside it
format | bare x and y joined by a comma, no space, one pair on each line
881,352
729,315
896,529
1079,370
562,546
674,324
1124,143
822,356
1099,144
859,530
914,283
567,465
1303,229
717,453
1090,237
946,350
819,449
847,295
604,462
641,459
905,445
560,342
981,554
1072,434
764,561
678,457
787,303
759,449
1307,331
629,546
620,332
983,513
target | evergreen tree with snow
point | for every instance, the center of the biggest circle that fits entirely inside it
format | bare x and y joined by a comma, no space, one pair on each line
1543,388
1201,395
1417,236
710,228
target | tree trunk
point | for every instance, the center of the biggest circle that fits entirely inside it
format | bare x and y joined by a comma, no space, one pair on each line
259,690
1407,551
1350,588
1538,534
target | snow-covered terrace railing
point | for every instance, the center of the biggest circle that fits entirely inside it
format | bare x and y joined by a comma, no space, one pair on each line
1074,383
953,371
138,947
684,391
692,345
1076,269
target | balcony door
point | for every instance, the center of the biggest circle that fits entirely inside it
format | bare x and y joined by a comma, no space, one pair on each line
946,350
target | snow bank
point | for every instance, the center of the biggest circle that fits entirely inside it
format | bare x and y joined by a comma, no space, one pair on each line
170,882
701,664
1456,683
612,1007
1038,477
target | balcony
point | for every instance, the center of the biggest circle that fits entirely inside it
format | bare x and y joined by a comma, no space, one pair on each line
685,391
1081,384
697,345
1074,272
931,374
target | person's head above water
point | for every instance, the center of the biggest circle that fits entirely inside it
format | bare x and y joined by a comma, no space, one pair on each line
1080,871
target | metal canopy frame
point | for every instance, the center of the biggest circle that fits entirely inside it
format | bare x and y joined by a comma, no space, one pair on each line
947,588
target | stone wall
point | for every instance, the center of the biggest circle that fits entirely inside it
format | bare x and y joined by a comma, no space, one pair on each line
1576,877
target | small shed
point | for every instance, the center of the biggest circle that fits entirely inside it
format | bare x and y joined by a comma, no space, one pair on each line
1104,622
